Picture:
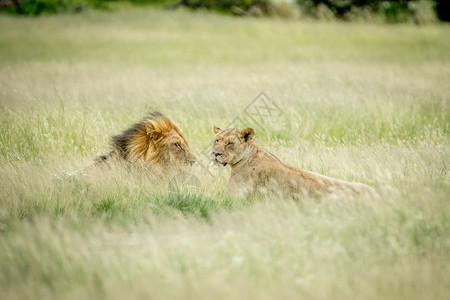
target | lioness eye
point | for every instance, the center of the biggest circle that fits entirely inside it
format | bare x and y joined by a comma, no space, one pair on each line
178,145
216,141
229,143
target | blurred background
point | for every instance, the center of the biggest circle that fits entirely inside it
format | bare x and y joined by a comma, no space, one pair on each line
363,90
417,11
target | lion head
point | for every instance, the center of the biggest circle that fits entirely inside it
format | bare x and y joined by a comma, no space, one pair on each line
230,145
156,141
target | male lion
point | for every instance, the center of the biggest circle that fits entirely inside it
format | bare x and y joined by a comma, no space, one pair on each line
154,142
255,171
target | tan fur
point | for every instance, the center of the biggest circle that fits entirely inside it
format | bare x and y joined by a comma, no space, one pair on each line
155,142
255,171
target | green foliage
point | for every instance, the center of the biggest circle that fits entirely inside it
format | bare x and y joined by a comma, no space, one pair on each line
38,7
235,7
391,11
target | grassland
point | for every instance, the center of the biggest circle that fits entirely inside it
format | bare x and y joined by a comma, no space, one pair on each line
361,102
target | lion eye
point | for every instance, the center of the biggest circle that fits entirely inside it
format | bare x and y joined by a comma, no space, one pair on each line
229,143
178,146
216,141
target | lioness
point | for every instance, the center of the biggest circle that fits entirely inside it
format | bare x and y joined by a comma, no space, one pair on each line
154,142
255,171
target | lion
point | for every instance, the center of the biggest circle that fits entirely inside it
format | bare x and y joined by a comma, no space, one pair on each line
255,171
155,142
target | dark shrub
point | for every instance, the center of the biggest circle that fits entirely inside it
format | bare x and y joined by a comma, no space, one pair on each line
443,10
392,11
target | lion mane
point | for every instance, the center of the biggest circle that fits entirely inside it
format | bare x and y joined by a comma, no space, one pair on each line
156,140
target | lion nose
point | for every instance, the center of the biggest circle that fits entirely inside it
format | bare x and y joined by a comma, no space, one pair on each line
216,154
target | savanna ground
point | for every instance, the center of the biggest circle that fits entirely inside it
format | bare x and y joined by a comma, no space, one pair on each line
361,102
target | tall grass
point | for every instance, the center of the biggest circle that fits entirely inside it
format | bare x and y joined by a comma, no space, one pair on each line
366,103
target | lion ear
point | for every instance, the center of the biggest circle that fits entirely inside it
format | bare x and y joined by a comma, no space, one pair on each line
217,130
152,133
247,134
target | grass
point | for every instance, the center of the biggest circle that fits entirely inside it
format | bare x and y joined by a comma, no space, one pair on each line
360,102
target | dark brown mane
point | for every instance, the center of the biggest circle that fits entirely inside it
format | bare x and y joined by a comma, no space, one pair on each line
139,141
122,142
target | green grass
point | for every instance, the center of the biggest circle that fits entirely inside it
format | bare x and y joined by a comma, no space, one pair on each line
360,102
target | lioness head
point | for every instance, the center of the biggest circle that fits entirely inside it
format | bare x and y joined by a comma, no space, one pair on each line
230,145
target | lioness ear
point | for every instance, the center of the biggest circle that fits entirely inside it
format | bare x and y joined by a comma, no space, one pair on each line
217,130
152,133
247,134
